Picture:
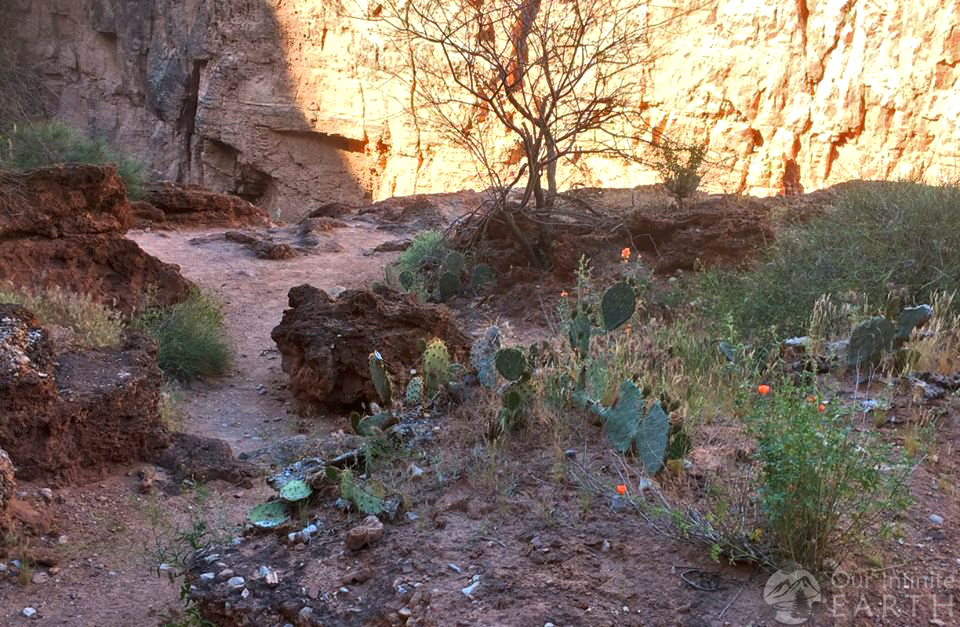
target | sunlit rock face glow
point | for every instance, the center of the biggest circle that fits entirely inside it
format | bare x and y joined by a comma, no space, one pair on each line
290,104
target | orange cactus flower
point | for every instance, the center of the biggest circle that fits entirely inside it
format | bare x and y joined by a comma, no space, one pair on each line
821,408
625,254
621,489
763,389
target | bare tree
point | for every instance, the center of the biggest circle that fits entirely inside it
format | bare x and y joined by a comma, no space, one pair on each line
563,78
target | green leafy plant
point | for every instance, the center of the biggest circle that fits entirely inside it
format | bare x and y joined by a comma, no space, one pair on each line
680,166
32,145
191,337
823,484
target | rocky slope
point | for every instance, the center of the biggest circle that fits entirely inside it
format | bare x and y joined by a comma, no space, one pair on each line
291,104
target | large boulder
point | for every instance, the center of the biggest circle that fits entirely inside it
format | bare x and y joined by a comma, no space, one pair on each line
64,226
193,206
67,415
62,201
325,342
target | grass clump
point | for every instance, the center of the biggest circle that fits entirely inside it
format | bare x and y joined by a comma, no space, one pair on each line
191,337
421,260
822,484
878,236
90,324
31,145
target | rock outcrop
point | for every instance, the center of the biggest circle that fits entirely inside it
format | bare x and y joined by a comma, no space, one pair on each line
167,204
67,415
292,105
8,488
64,226
325,342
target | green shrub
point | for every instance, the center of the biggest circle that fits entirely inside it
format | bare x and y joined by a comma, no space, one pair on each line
878,234
823,485
28,146
92,324
422,260
191,338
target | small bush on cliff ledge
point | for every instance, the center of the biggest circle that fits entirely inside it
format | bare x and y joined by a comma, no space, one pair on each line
191,338
32,145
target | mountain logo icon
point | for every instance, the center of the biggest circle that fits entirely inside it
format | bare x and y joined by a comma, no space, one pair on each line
792,594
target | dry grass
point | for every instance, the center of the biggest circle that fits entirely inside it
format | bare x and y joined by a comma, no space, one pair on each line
89,323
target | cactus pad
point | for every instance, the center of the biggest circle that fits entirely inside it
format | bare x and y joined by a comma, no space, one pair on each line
436,366
651,438
295,490
483,356
870,340
448,285
351,490
617,305
482,274
381,379
414,395
268,515
454,263
913,318
511,364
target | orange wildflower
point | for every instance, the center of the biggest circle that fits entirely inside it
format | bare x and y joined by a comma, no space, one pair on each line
563,294
821,408
621,489
625,255
763,389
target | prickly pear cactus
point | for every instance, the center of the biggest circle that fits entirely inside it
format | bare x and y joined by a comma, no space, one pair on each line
295,490
482,274
448,285
370,424
650,440
913,318
268,515
407,279
352,490
870,340
629,426
436,366
414,394
511,364
617,305
483,355
579,332
381,379
517,395
454,263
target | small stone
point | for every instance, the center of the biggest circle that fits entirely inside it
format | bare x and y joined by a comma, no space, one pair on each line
261,389
605,546
235,582
405,612
411,516
29,612
40,578
570,453
469,590
46,494
244,594
368,533
225,574
455,568
414,471
937,621
207,577
935,519
549,625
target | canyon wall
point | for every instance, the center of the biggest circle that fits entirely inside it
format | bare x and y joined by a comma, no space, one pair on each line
290,104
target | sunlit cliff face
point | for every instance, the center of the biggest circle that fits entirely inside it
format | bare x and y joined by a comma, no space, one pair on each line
293,104
789,95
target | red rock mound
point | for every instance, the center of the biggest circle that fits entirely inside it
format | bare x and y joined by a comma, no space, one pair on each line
8,488
325,342
68,415
64,225
167,204
712,230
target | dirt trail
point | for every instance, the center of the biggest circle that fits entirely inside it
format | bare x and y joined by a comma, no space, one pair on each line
107,575
254,292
